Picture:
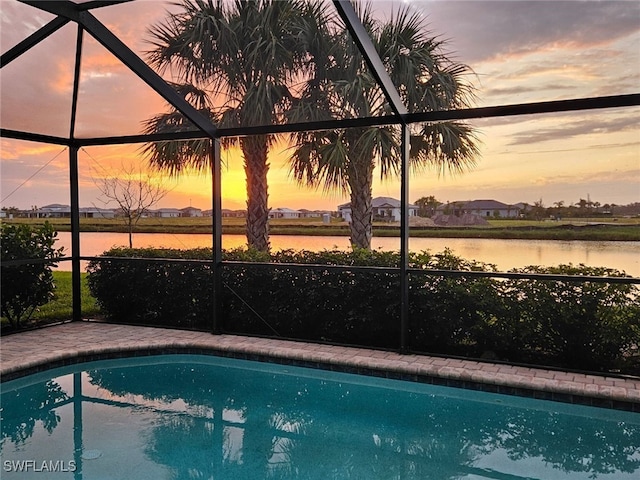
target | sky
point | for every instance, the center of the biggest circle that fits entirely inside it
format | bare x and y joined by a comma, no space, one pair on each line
519,51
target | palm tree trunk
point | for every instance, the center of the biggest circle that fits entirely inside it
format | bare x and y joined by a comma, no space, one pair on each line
256,168
360,184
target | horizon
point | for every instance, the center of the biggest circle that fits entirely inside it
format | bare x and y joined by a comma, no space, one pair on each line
521,52
293,207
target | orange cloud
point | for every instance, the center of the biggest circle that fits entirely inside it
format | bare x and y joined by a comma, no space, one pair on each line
16,149
62,81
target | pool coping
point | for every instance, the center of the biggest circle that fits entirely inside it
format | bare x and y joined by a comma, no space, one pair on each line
49,347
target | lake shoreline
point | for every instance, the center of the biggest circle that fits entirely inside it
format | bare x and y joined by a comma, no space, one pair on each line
587,231
561,232
505,254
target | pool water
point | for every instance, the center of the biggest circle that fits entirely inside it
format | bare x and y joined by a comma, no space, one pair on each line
202,417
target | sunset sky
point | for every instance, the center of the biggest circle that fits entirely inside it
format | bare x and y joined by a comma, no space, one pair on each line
520,51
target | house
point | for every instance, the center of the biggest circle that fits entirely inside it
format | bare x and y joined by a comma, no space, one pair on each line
304,213
165,213
55,210
226,212
522,207
284,213
383,208
190,212
95,212
482,208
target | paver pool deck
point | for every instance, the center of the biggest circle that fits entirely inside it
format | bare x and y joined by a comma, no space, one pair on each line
68,343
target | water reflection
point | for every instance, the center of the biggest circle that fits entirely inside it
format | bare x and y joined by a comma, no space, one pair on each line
36,403
506,254
219,420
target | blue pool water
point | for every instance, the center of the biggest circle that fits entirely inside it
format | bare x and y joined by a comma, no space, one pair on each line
201,417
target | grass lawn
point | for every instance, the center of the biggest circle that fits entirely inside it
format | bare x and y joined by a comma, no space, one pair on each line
60,307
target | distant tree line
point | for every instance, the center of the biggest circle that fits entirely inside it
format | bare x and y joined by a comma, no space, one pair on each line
582,209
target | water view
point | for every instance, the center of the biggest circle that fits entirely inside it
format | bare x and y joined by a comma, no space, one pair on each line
226,418
506,254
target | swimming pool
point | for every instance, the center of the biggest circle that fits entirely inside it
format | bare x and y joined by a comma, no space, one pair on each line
190,416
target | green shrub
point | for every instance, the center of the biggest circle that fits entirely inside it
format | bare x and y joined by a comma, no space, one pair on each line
310,303
26,287
336,305
583,325
590,326
445,311
151,292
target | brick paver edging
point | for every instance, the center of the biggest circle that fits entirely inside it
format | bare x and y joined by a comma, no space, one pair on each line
71,343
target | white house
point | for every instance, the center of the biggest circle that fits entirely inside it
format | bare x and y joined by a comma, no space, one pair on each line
383,208
226,212
95,212
284,213
55,210
482,208
304,213
190,212
166,213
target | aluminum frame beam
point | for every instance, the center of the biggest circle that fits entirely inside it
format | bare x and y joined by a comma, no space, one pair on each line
405,152
32,40
34,137
63,8
555,106
74,194
363,40
74,179
76,83
216,205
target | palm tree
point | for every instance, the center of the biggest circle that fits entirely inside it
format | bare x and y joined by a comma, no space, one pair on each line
247,53
426,79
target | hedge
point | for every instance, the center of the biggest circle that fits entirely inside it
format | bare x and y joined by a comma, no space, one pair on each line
25,287
589,326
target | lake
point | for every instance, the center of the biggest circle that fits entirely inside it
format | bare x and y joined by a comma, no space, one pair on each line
506,254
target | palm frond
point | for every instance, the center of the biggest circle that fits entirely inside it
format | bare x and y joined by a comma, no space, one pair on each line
320,160
175,157
449,147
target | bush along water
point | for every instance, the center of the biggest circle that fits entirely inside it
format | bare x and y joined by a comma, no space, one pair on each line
586,325
27,286
582,325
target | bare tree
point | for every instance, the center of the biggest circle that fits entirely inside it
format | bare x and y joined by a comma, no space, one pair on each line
134,192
